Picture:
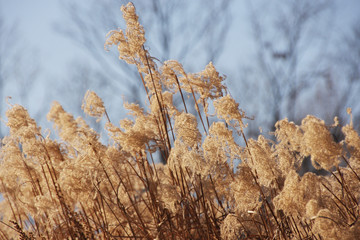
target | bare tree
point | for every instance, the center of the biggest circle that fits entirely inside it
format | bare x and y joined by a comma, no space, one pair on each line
17,73
6,53
19,69
342,78
288,40
349,59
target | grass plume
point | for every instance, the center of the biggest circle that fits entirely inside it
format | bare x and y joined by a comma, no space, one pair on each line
209,186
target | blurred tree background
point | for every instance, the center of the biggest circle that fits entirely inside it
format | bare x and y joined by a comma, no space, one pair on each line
282,58
19,69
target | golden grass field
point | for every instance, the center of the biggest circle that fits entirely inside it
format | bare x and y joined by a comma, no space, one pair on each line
175,171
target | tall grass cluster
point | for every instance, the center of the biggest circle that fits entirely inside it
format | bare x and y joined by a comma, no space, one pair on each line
208,186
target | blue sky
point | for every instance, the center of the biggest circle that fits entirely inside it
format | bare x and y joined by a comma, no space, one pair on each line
35,20
35,25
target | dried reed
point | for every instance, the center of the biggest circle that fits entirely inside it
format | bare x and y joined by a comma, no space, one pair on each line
210,187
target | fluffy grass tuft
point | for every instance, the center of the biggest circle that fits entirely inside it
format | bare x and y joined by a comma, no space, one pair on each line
206,184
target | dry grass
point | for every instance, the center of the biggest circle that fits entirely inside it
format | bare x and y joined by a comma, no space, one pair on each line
210,187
